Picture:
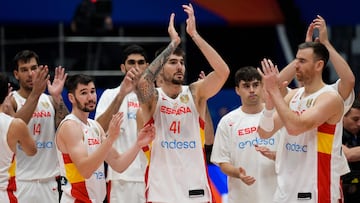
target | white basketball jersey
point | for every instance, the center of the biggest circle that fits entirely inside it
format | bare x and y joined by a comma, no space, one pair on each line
177,170
42,128
7,165
307,160
75,187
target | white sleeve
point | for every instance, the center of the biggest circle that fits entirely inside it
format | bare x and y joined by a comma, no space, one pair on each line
104,102
222,146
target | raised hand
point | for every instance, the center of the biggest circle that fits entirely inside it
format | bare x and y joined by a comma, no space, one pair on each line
56,87
174,36
40,79
146,136
190,21
269,74
130,80
201,75
310,33
320,24
114,125
7,105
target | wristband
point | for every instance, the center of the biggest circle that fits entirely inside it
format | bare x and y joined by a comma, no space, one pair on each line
268,113
267,120
208,151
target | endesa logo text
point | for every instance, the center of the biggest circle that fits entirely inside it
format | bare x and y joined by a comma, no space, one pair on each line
256,141
99,175
294,147
42,145
178,144
178,111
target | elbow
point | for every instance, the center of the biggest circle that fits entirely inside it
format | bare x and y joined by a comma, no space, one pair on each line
226,72
351,80
32,151
86,174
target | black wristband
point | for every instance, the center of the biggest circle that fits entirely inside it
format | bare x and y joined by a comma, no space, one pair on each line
208,150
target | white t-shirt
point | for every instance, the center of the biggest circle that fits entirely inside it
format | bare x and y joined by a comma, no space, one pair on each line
235,138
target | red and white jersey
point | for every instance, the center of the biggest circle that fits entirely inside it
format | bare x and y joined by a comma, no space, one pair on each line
342,164
306,162
129,106
177,171
7,163
75,187
235,138
42,128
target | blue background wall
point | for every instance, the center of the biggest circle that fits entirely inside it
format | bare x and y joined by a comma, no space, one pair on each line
157,11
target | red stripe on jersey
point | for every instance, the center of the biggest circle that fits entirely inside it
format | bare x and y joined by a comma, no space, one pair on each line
327,128
79,192
66,158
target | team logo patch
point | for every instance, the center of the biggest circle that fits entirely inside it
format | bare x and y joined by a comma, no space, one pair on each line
184,99
45,104
309,103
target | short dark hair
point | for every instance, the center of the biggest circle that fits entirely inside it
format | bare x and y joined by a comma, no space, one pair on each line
355,105
133,49
178,51
72,81
320,50
4,82
247,74
24,56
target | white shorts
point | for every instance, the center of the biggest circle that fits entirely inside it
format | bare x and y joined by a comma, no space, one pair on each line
124,192
37,191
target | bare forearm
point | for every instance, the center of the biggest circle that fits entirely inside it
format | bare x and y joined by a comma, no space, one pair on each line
230,170
352,154
123,162
343,70
290,120
60,110
88,165
105,118
27,110
209,128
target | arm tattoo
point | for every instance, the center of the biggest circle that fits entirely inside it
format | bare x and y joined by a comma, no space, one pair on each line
146,88
60,112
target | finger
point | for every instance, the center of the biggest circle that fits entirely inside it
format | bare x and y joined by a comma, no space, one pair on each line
276,69
260,72
171,22
266,67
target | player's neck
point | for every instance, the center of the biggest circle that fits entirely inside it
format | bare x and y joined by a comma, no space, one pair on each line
24,92
81,115
252,109
313,87
172,90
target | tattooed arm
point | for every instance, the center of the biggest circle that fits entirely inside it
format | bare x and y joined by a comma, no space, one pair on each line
145,88
55,89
